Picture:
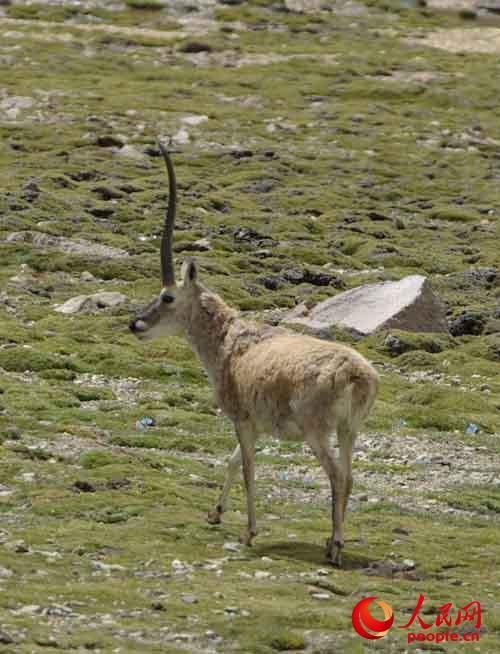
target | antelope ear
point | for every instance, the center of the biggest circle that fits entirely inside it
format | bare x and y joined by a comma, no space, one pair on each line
189,271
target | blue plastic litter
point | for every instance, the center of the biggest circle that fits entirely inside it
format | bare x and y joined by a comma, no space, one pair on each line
145,422
472,428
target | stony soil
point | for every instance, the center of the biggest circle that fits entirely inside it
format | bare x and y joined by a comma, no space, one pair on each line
318,146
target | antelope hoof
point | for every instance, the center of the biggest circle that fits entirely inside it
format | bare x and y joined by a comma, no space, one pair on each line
247,536
334,552
214,517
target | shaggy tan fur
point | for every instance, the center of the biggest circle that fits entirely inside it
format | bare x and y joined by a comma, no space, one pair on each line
268,380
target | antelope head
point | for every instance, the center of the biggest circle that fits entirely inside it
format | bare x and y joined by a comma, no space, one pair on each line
168,312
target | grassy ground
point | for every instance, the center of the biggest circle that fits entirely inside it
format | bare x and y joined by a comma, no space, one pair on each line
334,142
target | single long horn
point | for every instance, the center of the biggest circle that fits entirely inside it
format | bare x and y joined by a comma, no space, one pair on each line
167,259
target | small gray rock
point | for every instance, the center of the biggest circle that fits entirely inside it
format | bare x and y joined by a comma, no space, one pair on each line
189,599
470,323
87,276
107,193
78,246
304,6
107,567
395,345
131,153
401,530
201,245
91,303
321,596
181,137
28,609
109,141
49,641
194,119
5,638
193,47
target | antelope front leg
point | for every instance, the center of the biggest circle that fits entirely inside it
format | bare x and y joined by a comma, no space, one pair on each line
214,517
247,444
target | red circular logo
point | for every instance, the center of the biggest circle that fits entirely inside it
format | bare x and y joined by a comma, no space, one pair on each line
362,619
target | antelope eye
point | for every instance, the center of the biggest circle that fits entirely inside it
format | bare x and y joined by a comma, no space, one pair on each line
168,299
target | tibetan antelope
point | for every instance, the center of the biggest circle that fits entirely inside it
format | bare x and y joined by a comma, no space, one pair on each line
267,380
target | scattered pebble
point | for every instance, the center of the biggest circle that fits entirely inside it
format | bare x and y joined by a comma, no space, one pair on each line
84,486
181,137
189,599
5,491
28,609
87,276
109,141
91,303
158,606
48,641
107,567
180,568
321,596
27,476
5,638
194,120
401,530
80,246
130,152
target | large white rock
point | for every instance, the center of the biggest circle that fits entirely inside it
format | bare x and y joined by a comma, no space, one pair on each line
408,304
91,303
